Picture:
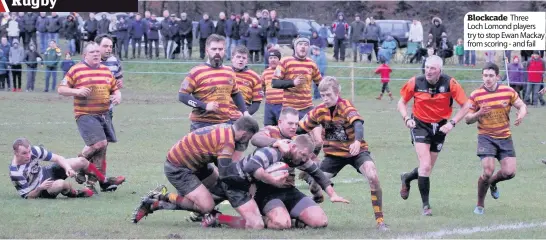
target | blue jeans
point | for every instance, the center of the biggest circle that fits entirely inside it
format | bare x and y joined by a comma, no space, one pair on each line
44,37
236,42
272,40
54,36
271,114
51,72
470,57
71,46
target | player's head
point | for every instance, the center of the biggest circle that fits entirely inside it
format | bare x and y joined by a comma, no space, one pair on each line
105,45
301,148
329,90
239,57
288,121
21,149
301,47
245,127
490,75
91,53
274,58
216,45
433,69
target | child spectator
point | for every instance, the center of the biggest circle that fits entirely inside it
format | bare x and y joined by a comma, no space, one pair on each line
16,57
32,57
385,72
51,58
430,52
67,63
4,79
535,71
514,73
459,51
319,57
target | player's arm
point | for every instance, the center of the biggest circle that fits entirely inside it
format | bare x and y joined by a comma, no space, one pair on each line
522,109
257,95
406,93
63,163
280,79
474,112
461,99
239,102
184,94
67,90
253,108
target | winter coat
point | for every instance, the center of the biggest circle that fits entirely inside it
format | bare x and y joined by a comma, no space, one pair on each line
437,31
340,29
205,28
5,49
153,29
70,30
103,26
3,64
416,32
185,28
515,74
372,32
321,61
13,29
67,64
41,24
122,29
357,31
318,41
91,26
165,28
244,26
16,55
221,27
273,28
21,24
136,29
229,27
30,22
254,38
54,25
459,50
30,58
52,57
236,34
535,70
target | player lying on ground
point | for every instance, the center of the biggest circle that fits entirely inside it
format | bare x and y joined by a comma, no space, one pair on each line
187,165
34,181
490,107
278,199
343,140
433,94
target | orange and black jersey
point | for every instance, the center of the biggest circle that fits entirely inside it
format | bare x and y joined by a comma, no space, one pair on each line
204,146
433,103
338,123
495,123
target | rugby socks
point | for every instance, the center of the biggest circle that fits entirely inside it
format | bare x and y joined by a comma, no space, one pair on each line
377,203
499,177
104,166
232,221
71,193
412,176
483,185
92,169
424,189
177,200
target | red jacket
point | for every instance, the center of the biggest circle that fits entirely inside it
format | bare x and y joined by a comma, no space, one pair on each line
385,72
535,70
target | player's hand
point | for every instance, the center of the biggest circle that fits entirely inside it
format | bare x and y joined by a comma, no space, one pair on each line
282,145
84,92
46,184
542,91
212,107
518,120
70,172
119,83
354,148
483,110
280,180
299,80
446,128
410,123
116,99
339,199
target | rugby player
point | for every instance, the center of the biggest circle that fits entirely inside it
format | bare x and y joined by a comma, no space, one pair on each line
344,140
490,106
105,43
188,165
210,88
277,199
273,96
433,95
92,85
248,82
34,181
295,74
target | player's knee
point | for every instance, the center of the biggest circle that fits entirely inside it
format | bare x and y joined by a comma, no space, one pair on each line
425,169
100,145
255,223
279,223
510,174
320,222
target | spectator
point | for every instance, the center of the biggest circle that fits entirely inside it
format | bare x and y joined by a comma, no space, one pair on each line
317,41
5,46
236,34
29,20
445,48
372,35
51,59
147,19
507,55
136,31
16,57
173,50
112,29
437,30
273,28
4,79
221,25
430,52
4,24
53,26
67,63
459,51
21,23
165,31
356,32
470,58
535,68
385,71
41,26
153,36
230,23
91,26
70,32
526,54
416,33
103,25
490,56
387,49
254,41
323,32
13,29
186,35
340,29
32,57
515,76
204,29
243,27
319,57
123,38
263,24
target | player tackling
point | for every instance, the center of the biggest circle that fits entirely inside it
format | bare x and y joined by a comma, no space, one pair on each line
490,107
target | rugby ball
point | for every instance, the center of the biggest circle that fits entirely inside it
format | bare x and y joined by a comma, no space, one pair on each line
277,168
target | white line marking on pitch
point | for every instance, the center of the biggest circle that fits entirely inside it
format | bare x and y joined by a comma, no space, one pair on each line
472,230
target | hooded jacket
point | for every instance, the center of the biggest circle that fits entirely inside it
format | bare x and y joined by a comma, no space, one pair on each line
30,57
340,27
437,31
535,70
16,54
357,30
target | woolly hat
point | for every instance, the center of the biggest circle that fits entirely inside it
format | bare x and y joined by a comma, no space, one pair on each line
301,39
275,53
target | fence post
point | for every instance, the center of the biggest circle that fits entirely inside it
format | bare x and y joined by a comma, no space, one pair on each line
352,82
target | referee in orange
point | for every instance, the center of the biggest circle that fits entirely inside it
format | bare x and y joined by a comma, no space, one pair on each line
433,95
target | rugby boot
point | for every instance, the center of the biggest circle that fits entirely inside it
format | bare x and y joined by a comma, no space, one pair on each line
112,183
479,210
427,211
494,191
382,227
143,210
404,190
